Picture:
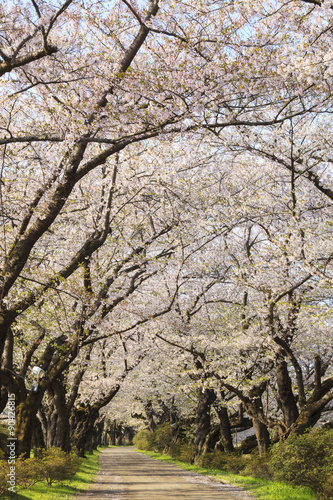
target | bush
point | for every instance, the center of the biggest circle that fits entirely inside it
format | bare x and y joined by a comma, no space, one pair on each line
53,465
58,465
141,440
161,438
305,460
257,466
184,452
235,463
158,441
229,462
3,478
215,457
28,472
327,493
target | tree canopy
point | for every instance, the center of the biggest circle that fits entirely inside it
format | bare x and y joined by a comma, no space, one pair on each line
166,203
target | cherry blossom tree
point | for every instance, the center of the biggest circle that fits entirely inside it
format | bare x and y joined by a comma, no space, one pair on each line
127,132
250,299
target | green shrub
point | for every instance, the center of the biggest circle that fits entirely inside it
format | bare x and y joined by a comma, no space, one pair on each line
184,452
235,463
187,453
141,440
161,438
3,478
56,465
229,462
258,466
28,472
53,465
158,441
217,457
327,490
305,460
175,450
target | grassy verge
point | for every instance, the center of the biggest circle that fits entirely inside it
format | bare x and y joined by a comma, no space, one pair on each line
65,490
260,488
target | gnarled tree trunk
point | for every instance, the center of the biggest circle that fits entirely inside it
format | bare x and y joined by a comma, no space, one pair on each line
26,414
206,398
260,428
225,428
286,396
57,433
150,415
81,425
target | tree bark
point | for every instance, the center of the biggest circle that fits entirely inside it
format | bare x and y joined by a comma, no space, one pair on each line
83,419
150,416
26,412
260,428
206,398
98,433
81,425
211,439
57,417
286,395
262,436
225,428
38,442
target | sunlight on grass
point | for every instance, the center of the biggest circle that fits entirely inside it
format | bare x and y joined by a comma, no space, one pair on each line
261,489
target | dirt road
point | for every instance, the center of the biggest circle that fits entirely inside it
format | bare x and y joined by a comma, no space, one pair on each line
128,475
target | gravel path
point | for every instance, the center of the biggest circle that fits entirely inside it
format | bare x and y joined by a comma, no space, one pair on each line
128,475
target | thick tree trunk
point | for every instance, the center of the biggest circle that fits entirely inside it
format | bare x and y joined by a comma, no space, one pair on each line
38,442
26,412
82,422
211,439
150,416
260,428
262,436
321,396
119,434
6,363
41,417
166,413
26,404
97,434
225,428
112,433
89,443
57,417
286,395
83,419
3,399
203,418
307,419
128,434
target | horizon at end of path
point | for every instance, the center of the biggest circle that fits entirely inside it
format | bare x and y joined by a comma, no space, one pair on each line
128,475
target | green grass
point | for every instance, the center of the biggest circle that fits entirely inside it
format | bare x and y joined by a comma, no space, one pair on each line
260,488
68,489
